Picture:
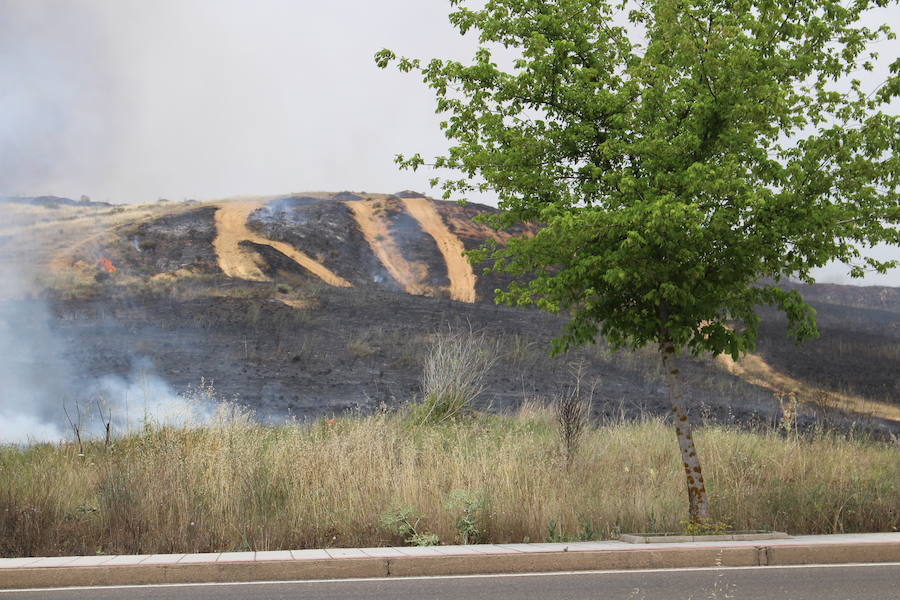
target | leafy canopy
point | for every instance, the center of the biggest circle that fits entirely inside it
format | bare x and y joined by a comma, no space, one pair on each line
680,156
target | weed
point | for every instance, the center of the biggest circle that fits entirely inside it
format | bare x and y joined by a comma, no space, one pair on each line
588,532
469,507
554,532
518,349
572,413
404,522
705,527
789,410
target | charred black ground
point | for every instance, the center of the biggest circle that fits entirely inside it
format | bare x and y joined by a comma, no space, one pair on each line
297,346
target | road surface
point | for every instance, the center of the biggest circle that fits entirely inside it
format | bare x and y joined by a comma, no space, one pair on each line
808,582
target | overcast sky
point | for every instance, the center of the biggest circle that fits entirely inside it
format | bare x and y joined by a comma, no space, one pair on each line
134,100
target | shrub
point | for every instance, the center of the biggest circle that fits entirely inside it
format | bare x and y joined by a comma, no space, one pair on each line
360,349
405,522
453,375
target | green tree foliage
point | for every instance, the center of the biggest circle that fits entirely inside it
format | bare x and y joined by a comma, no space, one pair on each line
681,157
674,171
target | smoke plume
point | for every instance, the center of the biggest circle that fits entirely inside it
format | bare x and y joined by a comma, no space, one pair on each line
44,397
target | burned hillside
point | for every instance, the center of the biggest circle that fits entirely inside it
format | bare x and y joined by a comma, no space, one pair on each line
313,304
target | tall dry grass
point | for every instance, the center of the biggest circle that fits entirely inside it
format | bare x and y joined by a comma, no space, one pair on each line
237,485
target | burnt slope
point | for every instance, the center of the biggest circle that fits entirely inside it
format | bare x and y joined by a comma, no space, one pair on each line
362,349
355,348
326,230
293,344
167,243
52,201
415,245
461,220
857,352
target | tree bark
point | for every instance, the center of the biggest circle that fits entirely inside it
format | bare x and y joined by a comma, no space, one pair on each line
697,498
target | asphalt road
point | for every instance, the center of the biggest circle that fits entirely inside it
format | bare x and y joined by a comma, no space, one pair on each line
844,582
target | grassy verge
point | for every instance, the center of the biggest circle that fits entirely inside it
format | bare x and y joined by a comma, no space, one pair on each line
380,480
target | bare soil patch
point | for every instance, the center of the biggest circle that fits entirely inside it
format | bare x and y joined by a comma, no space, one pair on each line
462,278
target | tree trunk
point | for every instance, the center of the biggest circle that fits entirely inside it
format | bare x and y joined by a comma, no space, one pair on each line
698,501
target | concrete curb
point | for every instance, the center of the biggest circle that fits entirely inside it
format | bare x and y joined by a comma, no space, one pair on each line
651,538
349,563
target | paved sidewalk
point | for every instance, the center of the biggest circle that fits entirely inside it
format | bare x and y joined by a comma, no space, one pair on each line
330,563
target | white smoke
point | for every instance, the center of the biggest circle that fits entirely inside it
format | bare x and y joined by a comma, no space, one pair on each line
26,429
128,404
44,397
58,109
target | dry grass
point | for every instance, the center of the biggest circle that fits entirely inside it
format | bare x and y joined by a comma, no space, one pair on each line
238,485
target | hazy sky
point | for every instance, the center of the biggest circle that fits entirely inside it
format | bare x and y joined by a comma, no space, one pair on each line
129,100
133,100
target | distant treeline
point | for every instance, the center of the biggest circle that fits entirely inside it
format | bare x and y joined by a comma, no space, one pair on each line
52,201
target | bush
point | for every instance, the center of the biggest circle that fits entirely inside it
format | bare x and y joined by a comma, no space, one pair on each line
470,509
403,521
360,349
453,376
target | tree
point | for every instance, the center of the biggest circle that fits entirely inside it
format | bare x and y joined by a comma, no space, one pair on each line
681,158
